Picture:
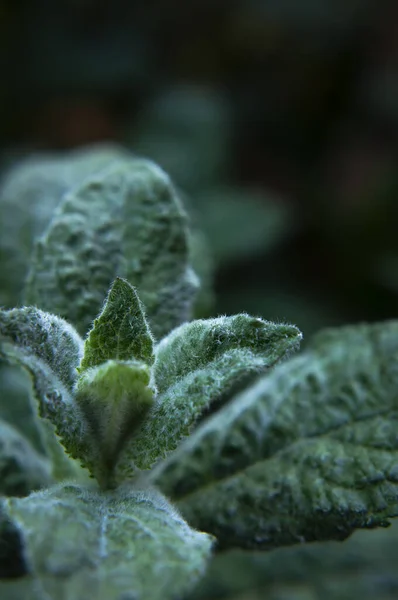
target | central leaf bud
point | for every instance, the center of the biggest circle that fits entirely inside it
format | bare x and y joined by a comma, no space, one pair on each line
115,398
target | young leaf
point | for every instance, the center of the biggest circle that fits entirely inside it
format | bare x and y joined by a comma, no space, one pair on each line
22,469
194,346
121,331
308,453
126,221
114,398
197,367
69,541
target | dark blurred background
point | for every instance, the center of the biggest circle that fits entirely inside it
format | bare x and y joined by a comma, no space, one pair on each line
278,118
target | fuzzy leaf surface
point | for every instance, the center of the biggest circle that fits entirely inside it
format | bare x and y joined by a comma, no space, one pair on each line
51,411
22,469
46,337
198,367
126,221
30,191
125,544
308,453
121,331
114,399
49,350
195,346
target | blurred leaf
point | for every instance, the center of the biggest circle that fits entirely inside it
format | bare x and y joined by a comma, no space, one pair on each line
30,191
49,350
124,544
240,223
187,130
22,469
126,222
45,336
364,566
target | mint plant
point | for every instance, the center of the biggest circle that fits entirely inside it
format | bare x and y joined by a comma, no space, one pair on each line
253,448
119,403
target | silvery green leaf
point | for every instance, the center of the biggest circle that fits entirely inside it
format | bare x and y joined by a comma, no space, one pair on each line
307,453
52,414
198,367
121,331
45,336
70,542
19,407
22,469
49,350
195,346
29,193
126,221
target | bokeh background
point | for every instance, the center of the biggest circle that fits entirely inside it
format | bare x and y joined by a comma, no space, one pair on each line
279,119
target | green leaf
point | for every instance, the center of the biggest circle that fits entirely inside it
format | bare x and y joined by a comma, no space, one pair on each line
49,399
45,336
195,346
198,367
114,398
69,542
22,469
17,406
30,191
121,331
126,221
221,212
20,407
49,350
308,453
